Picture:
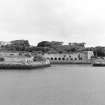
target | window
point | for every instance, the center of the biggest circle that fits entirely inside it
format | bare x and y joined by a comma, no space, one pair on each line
64,55
67,59
71,59
1,59
80,58
75,58
11,54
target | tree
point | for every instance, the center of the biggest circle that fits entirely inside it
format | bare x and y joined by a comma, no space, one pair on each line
56,43
44,44
99,51
77,45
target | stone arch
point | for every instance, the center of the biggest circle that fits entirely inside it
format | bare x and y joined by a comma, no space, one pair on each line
59,58
55,58
51,58
63,59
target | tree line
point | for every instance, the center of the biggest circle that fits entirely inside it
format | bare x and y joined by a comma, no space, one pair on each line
52,47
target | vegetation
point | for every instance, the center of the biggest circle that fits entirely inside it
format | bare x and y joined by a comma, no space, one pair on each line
51,47
99,51
17,45
58,47
39,58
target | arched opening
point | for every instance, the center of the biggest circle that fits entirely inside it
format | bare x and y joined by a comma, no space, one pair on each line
59,59
55,58
51,58
63,59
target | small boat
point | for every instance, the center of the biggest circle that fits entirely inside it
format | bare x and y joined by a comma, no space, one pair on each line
23,62
99,61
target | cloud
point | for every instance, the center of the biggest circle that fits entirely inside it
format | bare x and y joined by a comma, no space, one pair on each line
33,16
62,20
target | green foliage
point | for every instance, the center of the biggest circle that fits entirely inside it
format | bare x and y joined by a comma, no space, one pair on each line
58,47
44,44
38,58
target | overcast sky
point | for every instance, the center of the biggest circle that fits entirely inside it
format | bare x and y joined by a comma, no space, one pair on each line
62,20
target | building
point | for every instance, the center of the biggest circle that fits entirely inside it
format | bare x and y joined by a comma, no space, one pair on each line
77,57
2,43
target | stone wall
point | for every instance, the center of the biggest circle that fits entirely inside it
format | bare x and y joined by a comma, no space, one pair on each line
78,57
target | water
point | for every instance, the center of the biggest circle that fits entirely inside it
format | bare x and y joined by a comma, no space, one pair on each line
56,85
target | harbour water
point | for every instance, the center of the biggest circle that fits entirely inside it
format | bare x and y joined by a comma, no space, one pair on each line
55,85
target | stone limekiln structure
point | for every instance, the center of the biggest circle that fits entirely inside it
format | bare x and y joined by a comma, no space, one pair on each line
82,57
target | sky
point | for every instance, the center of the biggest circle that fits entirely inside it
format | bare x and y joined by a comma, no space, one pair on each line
53,20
